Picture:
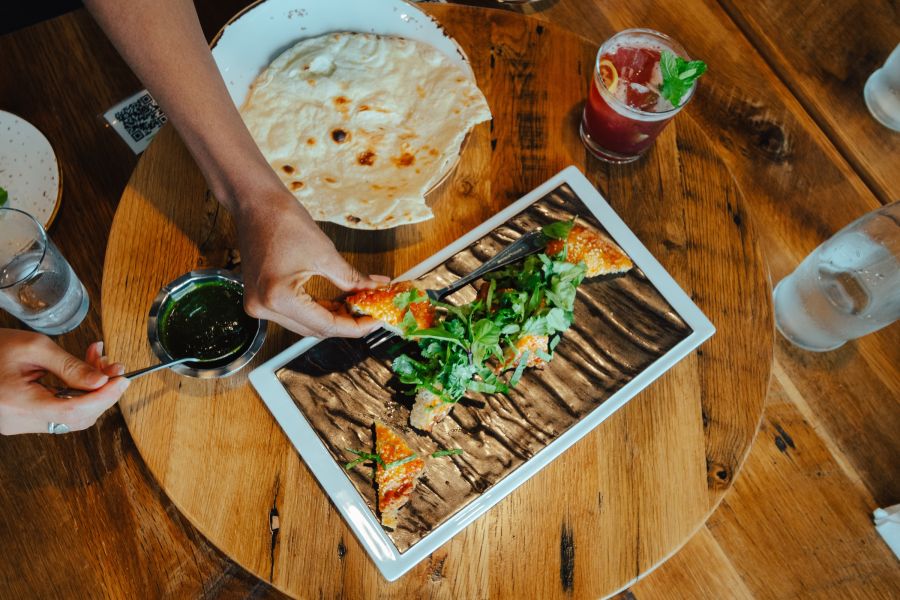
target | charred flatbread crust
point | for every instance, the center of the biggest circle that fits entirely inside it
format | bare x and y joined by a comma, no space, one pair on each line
360,126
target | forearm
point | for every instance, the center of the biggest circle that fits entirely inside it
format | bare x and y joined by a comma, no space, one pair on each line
281,246
163,43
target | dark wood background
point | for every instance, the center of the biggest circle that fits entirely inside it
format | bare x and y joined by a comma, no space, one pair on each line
80,516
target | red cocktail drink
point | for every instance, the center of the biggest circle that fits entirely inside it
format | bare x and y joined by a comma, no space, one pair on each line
625,110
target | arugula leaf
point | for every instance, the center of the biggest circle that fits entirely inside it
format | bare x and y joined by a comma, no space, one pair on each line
562,296
411,296
409,324
431,349
363,457
557,320
485,335
438,333
483,387
536,325
553,342
4,196
558,230
449,452
409,370
401,461
489,300
520,368
509,329
492,379
457,311
678,76
458,375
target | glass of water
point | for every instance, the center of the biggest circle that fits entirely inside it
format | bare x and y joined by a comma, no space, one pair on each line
37,285
847,287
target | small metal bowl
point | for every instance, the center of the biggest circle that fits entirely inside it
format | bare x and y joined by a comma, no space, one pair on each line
175,290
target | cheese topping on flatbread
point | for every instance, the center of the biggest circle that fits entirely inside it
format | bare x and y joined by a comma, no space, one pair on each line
360,126
395,477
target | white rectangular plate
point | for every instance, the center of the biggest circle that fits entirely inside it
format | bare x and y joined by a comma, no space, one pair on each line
353,506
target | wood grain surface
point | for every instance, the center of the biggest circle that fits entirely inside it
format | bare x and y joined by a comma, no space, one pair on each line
80,516
222,459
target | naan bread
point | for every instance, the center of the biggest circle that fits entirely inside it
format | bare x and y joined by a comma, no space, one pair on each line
360,126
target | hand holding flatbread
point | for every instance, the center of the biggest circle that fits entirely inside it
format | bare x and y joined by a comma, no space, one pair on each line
281,248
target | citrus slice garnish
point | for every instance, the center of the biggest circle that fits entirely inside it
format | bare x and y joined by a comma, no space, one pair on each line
608,74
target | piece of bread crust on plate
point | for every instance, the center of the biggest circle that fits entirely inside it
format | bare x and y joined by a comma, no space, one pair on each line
395,483
428,409
512,355
379,304
585,244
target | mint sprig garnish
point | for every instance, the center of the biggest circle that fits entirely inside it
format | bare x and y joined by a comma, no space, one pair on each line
678,76
4,196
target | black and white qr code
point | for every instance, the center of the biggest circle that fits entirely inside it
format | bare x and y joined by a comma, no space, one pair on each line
142,117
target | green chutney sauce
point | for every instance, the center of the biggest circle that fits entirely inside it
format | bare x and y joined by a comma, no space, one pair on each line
207,322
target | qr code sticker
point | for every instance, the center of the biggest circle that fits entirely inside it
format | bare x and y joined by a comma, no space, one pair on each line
136,120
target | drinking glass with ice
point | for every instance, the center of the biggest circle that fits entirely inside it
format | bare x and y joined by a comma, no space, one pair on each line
37,285
642,78
847,287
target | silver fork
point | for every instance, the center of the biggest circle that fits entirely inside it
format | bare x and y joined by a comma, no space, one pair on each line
530,243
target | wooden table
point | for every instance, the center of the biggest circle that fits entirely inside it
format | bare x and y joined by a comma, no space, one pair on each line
782,108
624,499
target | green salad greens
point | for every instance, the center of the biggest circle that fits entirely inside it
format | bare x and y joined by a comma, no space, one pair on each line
4,196
473,347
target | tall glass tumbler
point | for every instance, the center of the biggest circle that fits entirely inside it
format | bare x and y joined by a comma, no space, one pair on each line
847,287
37,285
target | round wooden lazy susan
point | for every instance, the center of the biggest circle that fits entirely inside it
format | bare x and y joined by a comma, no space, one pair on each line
608,510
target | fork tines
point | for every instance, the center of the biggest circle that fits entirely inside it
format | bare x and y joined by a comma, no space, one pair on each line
378,337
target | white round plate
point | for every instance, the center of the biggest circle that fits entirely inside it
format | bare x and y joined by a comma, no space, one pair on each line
255,37
29,171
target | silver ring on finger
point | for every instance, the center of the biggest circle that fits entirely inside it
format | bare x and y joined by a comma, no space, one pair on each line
57,428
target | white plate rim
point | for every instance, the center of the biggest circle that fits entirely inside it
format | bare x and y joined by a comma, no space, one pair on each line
390,562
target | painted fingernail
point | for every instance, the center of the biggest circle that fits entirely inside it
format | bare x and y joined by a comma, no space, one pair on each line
117,369
99,348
